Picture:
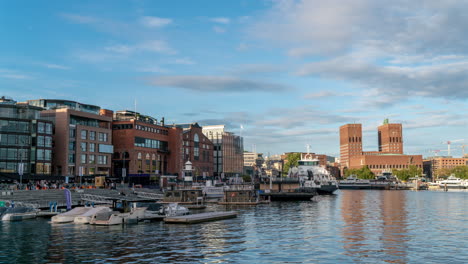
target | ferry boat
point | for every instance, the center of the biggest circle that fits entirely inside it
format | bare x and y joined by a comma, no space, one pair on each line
452,182
314,176
352,182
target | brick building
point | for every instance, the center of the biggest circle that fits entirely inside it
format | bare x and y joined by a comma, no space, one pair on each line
390,138
145,148
350,143
390,155
82,139
198,149
433,165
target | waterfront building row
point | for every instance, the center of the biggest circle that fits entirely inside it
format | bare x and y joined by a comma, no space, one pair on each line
54,139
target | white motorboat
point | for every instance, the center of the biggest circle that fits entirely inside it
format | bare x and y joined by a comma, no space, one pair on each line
18,213
118,218
174,209
452,182
86,217
69,216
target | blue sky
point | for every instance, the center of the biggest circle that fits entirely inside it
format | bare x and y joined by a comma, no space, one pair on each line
291,72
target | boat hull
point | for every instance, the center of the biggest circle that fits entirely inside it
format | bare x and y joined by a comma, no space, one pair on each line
284,196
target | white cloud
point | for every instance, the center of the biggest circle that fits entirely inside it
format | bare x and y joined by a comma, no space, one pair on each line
218,29
220,20
55,66
10,74
155,22
216,84
182,61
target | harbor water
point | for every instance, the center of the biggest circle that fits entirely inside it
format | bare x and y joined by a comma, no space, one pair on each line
353,226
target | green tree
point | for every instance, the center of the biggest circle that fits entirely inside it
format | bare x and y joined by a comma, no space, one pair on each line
460,172
443,172
291,161
362,173
405,174
246,178
365,173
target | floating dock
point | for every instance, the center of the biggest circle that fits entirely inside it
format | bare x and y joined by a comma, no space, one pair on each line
289,196
199,218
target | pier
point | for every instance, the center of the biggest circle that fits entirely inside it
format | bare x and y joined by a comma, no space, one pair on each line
199,218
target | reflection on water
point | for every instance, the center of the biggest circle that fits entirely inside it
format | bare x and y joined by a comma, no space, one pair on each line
351,227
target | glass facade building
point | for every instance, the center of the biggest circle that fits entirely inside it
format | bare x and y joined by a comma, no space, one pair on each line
26,142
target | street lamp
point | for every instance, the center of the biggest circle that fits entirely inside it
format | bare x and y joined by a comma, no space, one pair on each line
124,172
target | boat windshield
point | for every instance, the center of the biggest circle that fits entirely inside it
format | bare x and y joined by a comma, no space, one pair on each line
307,163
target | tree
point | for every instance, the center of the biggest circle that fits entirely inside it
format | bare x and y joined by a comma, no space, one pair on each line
460,172
406,174
291,161
246,178
362,173
443,172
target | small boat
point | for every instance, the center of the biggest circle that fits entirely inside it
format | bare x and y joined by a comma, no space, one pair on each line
353,182
174,209
452,182
116,218
69,216
18,213
86,217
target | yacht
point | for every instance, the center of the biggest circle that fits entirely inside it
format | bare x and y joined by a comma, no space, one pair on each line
452,182
18,213
312,175
116,218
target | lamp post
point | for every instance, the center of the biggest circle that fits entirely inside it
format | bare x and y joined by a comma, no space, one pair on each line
124,172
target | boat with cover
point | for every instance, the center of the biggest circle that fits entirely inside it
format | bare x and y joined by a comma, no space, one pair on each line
69,216
18,213
86,217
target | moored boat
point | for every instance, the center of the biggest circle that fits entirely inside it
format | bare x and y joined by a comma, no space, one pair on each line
18,213
452,182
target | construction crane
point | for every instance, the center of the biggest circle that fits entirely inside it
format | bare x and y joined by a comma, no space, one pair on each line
436,151
463,149
450,142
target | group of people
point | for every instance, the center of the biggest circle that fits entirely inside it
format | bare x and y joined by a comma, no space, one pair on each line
45,185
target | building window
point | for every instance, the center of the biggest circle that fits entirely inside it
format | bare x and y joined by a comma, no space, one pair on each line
83,158
41,128
84,134
72,133
102,137
71,158
48,128
83,146
102,159
91,159
92,135
92,147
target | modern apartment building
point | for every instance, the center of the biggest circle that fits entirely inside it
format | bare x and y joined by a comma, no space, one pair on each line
198,149
25,142
82,140
145,148
228,155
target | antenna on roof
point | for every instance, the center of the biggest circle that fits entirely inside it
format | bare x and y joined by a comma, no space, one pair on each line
135,108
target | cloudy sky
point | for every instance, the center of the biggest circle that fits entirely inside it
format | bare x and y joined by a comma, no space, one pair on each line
289,72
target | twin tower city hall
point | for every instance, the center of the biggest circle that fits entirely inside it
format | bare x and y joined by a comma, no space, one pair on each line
389,156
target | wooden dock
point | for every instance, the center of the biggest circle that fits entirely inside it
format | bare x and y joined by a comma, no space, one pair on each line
199,218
